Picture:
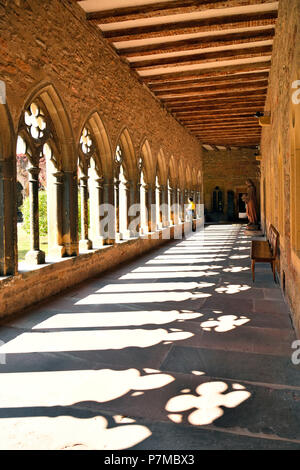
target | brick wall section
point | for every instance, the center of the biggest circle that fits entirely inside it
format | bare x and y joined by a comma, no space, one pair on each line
276,145
229,170
52,41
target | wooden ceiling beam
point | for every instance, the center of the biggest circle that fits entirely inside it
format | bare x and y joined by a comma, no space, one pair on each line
240,144
217,99
214,94
197,121
218,23
211,111
199,43
217,82
210,107
162,8
214,133
204,57
261,94
210,119
207,73
219,114
232,127
206,91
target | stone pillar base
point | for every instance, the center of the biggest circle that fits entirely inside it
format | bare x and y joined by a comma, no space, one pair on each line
128,234
99,242
85,245
108,241
118,237
71,249
35,257
57,251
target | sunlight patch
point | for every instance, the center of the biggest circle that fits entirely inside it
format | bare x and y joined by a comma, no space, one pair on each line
207,404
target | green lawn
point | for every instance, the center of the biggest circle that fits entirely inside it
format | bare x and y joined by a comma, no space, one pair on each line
24,243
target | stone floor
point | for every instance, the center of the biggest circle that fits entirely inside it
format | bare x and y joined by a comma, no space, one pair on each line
176,350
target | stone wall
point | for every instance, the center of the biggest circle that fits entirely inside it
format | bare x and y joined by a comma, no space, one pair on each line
280,152
228,169
50,55
51,42
32,286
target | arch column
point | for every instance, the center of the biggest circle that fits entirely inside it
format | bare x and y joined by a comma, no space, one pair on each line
127,189
181,204
8,219
70,213
108,215
133,209
176,208
198,202
34,255
173,206
179,214
54,205
84,243
96,201
159,209
151,208
143,209
117,209
164,206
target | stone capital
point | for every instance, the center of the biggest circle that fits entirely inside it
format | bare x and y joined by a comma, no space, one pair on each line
34,173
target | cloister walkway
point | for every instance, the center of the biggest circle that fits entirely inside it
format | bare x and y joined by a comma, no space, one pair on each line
176,350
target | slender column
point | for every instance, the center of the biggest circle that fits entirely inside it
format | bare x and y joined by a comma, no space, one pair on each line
198,201
54,202
175,202
133,209
151,209
96,201
117,209
70,213
126,192
181,202
143,207
164,203
85,243
8,219
159,209
186,201
35,255
108,215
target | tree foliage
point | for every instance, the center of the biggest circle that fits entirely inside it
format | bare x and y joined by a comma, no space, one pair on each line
43,222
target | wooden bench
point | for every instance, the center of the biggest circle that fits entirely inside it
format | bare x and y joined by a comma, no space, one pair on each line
265,251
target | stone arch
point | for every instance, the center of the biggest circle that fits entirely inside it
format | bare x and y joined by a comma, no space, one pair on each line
194,179
188,177
181,175
173,172
129,158
62,200
103,154
8,212
48,95
148,166
161,168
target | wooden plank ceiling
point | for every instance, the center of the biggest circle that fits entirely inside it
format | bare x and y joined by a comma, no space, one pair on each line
208,61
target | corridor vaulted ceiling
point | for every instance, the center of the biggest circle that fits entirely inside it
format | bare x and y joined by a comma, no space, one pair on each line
208,61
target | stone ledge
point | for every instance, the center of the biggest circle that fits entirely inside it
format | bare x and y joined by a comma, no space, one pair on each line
39,282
